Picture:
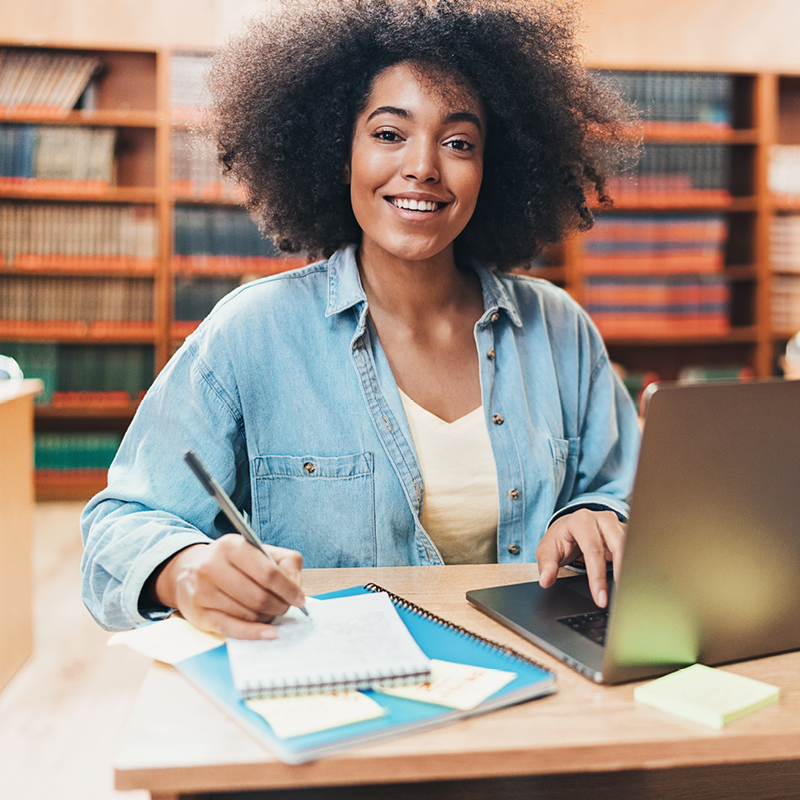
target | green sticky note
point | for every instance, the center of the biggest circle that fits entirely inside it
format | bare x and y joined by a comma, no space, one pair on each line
710,696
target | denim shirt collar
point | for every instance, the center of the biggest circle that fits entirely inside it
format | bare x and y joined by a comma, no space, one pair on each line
345,290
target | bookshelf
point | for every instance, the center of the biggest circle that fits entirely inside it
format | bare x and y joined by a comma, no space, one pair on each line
181,241
742,338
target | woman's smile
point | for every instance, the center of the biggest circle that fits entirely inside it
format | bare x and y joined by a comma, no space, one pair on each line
416,163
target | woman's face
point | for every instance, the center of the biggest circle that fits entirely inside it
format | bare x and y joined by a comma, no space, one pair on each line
416,163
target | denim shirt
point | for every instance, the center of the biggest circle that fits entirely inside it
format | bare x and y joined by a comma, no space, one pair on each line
286,395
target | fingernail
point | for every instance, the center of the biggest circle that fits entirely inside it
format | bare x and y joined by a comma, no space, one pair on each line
602,598
269,633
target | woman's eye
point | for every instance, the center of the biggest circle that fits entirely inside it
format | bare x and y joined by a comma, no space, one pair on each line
461,145
386,136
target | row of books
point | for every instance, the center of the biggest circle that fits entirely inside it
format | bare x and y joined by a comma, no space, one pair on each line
78,299
75,236
785,291
195,297
80,374
43,83
195,171
783,175
208,230
680,99
50,158
68,451
645,244
187,92
657,306
785,243
683,174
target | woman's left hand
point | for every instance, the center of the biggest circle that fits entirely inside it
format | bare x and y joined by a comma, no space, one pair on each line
597,536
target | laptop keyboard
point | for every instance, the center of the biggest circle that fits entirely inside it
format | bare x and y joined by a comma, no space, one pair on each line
592,625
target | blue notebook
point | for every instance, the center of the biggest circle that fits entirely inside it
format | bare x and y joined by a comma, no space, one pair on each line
438,638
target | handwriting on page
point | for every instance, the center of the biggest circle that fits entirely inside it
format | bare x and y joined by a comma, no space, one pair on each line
454,685
345,640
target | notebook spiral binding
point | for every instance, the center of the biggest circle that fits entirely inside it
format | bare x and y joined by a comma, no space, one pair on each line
422,612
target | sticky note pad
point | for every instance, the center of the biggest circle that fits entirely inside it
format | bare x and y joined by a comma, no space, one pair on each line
710,696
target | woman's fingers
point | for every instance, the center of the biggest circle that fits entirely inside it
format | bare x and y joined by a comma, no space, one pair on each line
598,536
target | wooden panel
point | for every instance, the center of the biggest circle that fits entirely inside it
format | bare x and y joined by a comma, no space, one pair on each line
789,111
731,35
726,35
16,528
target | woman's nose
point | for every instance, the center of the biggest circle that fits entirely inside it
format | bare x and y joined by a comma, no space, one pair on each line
421,162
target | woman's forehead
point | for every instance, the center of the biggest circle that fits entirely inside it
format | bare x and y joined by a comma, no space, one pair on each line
446,87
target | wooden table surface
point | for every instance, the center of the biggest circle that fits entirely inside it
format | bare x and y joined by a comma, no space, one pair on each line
179,744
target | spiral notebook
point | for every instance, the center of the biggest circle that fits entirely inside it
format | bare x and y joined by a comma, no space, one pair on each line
355,642
436,637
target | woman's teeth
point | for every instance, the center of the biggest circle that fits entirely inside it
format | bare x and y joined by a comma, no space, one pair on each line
415,205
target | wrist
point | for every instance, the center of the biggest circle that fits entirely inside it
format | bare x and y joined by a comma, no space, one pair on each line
164,580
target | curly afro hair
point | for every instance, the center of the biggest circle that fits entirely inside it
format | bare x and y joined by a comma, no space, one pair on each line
286,93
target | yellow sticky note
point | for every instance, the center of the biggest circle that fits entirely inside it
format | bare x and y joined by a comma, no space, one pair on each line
454,685
171,640
297,716
710,696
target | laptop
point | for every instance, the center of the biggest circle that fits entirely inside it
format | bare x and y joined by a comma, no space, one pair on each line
711,568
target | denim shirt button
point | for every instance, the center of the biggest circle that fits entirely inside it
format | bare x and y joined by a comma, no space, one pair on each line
495,317
513,549
309,467
514,494
491,354
497,419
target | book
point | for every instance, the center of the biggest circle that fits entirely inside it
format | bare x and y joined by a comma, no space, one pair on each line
707,695
345,643
678,102
439,639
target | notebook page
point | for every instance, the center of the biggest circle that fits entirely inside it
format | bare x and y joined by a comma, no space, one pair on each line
352,642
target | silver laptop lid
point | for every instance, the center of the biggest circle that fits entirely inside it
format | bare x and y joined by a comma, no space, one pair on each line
711,569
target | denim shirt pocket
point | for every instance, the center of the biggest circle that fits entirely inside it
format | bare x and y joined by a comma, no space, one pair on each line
322,506
565,465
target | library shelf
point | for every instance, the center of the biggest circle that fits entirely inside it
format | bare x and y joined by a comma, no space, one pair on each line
68,484
147,97
129,195
743,335
51,413
664,135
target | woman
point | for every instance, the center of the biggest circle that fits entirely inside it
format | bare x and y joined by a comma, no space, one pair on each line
398,402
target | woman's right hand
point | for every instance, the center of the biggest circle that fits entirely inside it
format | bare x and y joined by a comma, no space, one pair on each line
228,587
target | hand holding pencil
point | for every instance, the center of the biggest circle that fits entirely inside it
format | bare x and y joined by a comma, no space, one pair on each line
232,586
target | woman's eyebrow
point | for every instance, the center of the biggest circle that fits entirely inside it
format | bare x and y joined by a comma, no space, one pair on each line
464,116
454,116
398,112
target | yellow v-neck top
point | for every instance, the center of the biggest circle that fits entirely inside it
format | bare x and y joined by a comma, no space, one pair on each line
460,506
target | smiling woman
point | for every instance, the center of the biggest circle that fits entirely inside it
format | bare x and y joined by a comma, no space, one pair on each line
402,401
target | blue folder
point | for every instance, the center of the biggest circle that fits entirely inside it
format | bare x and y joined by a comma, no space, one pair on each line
439,639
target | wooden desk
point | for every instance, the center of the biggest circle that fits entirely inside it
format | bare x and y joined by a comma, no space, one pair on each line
585,738
16,525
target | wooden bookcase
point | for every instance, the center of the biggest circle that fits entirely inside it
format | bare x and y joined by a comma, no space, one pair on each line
766,112
133,97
